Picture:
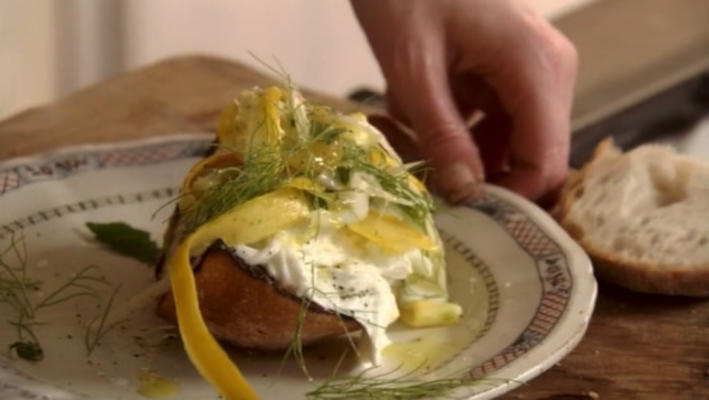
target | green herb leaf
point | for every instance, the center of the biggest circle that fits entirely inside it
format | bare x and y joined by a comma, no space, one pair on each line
126,240
30,351
343,175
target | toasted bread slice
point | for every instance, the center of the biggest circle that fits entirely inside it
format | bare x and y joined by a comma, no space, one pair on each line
244,306
240,303
643,216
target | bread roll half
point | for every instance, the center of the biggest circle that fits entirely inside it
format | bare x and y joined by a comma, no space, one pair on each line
643,216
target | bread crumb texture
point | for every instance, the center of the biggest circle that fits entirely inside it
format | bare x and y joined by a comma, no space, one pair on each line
648,208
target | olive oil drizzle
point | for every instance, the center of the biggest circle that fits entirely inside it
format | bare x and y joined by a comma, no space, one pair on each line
270,165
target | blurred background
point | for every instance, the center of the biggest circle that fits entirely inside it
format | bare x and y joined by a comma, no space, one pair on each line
52,48
644,63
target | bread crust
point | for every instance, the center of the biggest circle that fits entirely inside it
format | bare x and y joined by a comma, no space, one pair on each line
242,305
637,275
650,278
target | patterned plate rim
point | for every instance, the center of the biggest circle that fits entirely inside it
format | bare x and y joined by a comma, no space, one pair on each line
518,219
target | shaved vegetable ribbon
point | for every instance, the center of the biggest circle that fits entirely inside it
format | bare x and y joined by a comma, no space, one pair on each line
207,356
390,233
285,206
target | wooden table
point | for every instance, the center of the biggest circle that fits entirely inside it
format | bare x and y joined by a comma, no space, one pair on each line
637,346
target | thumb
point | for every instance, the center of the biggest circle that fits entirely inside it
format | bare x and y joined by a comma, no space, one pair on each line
425,96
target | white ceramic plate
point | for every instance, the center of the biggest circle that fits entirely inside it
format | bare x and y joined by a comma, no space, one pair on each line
526,288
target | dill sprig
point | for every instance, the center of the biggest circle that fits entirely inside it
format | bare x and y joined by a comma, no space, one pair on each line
280,72
313,150
295,349
383,386
265,167
92,338
416,205
16,288
261,173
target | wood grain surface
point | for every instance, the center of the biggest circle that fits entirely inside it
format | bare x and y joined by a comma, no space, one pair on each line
177,95
637,346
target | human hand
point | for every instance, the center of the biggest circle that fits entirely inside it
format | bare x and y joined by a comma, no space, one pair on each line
445,59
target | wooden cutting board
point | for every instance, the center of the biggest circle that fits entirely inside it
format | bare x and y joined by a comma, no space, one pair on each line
637,346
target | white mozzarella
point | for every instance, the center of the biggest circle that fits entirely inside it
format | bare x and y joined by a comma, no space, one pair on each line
338,274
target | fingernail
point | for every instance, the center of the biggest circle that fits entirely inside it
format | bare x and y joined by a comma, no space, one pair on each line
462,184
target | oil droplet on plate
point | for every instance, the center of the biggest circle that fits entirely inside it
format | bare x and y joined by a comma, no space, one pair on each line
423,353
154,386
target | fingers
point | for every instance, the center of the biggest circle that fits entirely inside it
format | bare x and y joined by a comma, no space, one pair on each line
414,61
443,135
529,66
536,91
538,151
492,134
